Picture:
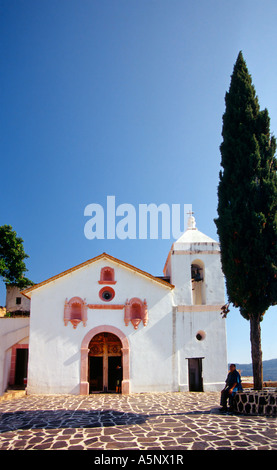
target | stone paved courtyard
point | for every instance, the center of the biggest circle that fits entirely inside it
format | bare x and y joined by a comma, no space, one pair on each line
147,421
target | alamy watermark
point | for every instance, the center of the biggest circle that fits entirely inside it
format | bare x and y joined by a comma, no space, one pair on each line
126,222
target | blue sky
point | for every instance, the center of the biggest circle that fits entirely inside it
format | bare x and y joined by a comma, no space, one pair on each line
123,98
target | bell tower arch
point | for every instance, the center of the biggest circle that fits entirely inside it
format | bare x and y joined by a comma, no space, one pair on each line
194,268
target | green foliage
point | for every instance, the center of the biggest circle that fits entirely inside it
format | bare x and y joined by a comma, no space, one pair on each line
247,199
12,256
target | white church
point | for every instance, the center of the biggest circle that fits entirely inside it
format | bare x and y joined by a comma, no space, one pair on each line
105,321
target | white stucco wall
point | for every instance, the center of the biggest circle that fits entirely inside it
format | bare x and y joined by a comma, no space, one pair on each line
181,277
194,247
159,352
212,349
54,349
12,331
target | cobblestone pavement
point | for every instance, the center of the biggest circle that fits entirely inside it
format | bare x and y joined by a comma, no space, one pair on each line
147,421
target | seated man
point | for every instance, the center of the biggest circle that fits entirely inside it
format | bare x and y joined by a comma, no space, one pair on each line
233,384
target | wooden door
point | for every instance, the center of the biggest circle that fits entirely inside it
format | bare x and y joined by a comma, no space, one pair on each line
195,375
21,366
102,349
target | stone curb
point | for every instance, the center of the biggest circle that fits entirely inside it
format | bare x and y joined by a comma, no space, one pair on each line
256,402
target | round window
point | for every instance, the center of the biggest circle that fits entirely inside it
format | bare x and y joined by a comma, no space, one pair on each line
106,293
200,335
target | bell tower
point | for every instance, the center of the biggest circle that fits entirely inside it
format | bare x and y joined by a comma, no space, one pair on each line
194,267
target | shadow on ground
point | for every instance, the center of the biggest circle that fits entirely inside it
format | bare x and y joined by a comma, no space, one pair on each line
52,419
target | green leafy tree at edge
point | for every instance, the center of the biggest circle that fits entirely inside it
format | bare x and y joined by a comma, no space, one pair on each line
12,256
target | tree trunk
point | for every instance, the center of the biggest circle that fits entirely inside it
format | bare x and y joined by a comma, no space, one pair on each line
256,351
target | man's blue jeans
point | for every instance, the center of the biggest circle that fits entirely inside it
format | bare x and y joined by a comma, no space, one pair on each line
225,395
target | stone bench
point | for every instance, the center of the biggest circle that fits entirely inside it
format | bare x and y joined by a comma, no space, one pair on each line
256,402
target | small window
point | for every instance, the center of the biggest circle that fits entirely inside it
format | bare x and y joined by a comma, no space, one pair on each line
106,294
200,335
18,301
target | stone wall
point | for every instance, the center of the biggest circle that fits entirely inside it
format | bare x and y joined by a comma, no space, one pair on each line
257,402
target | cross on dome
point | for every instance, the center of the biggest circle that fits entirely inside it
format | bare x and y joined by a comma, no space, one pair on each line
191,220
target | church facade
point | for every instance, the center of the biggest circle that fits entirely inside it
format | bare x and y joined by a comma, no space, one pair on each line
106,324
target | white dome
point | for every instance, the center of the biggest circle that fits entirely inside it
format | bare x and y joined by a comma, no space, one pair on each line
192,236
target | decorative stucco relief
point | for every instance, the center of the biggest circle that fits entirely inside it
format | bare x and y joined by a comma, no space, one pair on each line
75,311
135,312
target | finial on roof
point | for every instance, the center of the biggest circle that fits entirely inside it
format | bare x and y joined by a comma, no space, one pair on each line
191,221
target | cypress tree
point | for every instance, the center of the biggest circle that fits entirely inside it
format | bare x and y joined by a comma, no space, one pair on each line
247,207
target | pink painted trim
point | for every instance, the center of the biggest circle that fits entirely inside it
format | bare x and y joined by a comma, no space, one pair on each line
107,282
108,307
84,385
199,308
13,361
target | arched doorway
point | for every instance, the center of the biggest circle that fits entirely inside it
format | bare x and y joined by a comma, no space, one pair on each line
105,363
125,357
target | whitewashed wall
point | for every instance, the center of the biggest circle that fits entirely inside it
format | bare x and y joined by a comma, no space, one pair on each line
159,352
12,331
54,350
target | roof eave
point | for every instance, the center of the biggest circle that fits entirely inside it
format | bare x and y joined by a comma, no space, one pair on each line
29,290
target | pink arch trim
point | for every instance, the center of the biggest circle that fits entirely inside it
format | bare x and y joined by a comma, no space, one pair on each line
84,385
